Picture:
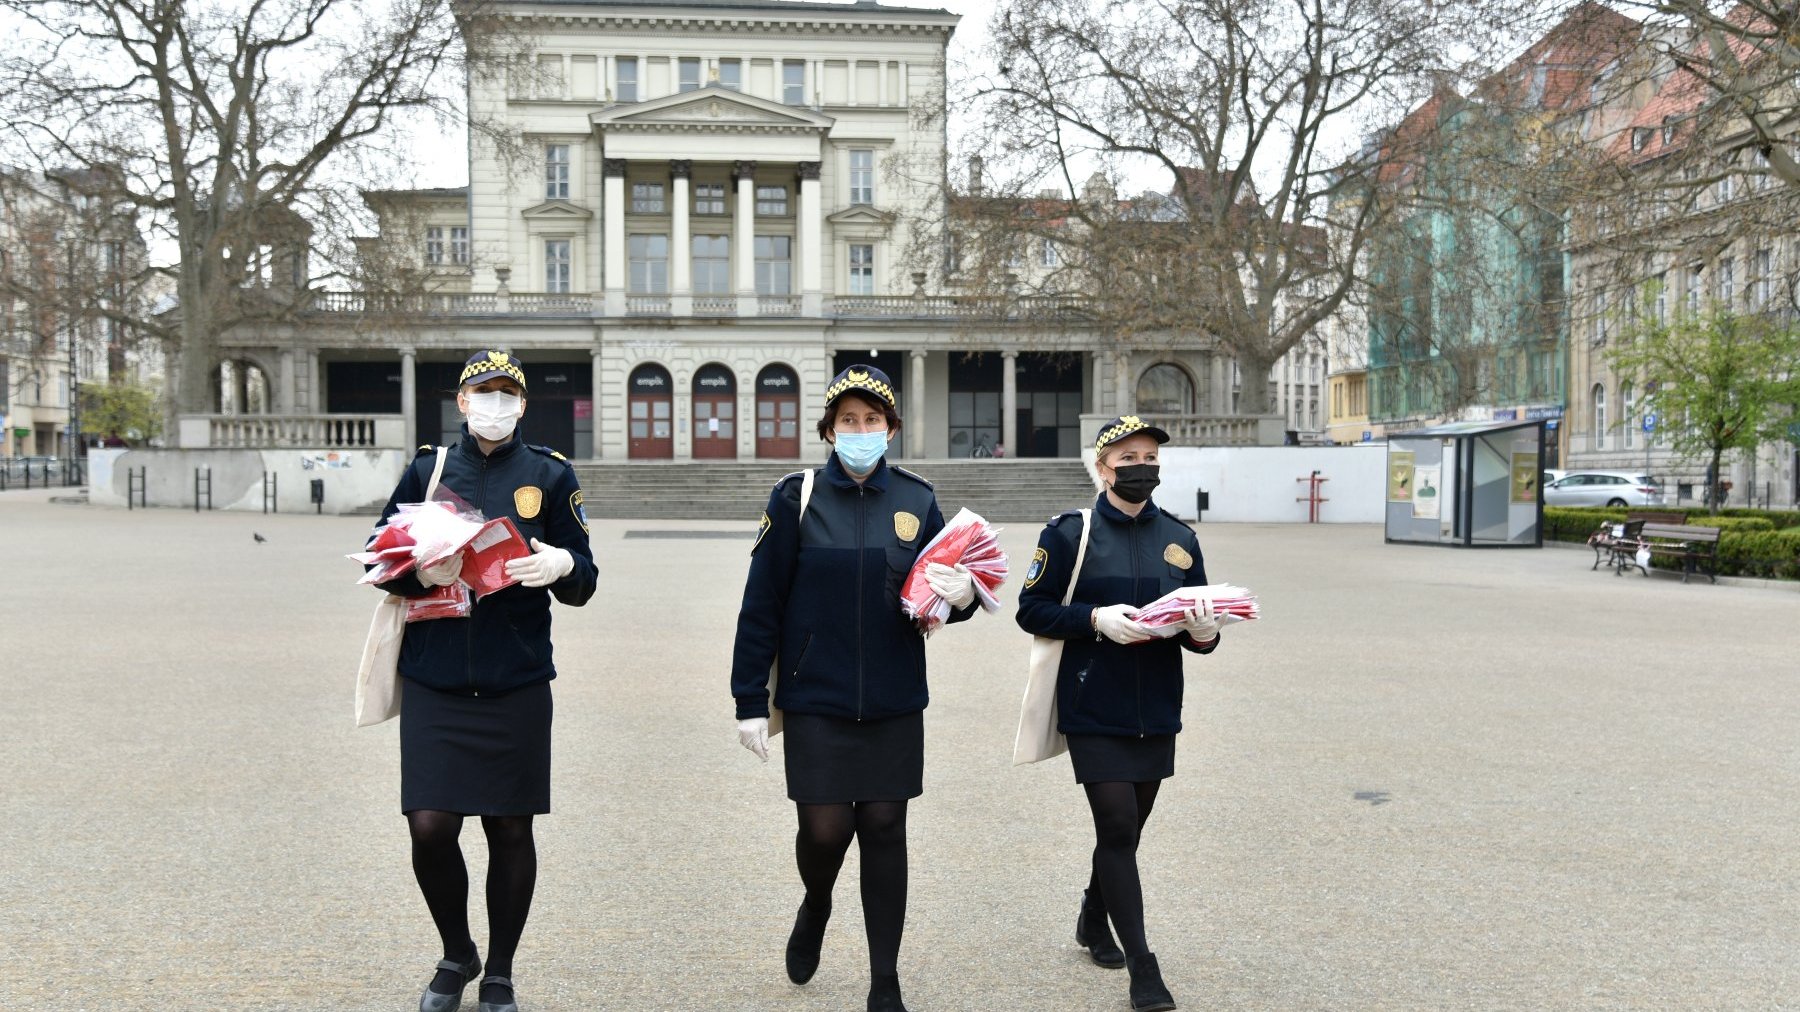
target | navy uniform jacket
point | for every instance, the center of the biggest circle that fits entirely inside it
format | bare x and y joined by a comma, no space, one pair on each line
823,597
1104,687
505,642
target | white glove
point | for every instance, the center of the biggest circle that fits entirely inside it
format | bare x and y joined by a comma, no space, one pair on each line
955,585
1199,622
753,734
544,567
443,573
1115,623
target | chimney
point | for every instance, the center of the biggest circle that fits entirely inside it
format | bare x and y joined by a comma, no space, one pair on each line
976,186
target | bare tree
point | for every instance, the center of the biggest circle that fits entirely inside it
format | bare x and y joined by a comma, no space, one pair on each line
234,129
1248,114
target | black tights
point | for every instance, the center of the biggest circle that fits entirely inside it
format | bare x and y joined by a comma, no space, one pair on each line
444,879
880,831
1120,811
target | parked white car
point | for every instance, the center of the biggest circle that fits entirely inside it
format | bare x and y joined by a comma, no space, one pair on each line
1604,488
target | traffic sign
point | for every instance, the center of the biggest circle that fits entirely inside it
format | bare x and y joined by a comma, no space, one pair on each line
1650,423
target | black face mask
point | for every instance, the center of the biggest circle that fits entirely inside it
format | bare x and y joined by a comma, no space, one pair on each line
1135,482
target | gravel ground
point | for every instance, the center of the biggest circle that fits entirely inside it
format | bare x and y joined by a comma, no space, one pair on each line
1428,779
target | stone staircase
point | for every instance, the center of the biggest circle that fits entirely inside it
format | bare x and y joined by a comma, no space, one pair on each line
1011,489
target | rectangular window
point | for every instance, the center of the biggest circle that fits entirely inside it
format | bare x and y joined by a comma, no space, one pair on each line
1047,254
690,74
862,269
772,201
862,176
712,264
556,265
434,245
1724,189
1761,263
1661,308
627,69
459,245
649,264
647,198
556,172
1726,280
953,255
774,264
793,82
1600,314
709,198
1693,290
731,74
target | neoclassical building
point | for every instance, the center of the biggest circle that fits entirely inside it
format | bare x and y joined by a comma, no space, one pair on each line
701,212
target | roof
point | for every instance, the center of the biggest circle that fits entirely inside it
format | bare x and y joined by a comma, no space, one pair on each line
800,7
1661,126
428,191
1556,72
1466,429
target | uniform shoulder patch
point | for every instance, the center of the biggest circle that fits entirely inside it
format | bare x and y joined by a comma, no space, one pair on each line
1039,559
578,510
548,452
424,449
762,531
918,478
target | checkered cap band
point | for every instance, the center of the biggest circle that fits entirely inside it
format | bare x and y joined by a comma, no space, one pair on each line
1124,426
860,379
493,363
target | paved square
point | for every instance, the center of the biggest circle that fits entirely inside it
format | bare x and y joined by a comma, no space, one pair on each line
1429,779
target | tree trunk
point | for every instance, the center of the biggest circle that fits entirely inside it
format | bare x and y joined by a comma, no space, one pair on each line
196,361
1254,397
1715,496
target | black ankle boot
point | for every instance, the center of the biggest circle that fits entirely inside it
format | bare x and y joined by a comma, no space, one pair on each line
1092,933
804,943
884,994
1147,991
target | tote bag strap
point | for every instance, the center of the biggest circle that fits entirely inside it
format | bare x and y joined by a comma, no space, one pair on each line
806,485
1080,556
436,473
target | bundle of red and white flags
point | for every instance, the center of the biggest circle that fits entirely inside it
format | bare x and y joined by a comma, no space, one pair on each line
424,534
969,540
1228,604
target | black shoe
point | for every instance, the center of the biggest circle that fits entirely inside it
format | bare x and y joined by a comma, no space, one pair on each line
804,943
450,1001
1093,934
491,985
1147,991
884,995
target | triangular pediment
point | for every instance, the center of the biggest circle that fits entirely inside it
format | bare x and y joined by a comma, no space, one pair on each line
862,214
558,210
713,108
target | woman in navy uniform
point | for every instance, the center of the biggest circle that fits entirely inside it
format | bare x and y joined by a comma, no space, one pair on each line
475,692
822,604
1118,691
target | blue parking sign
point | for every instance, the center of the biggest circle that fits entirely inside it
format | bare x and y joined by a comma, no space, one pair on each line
1649,423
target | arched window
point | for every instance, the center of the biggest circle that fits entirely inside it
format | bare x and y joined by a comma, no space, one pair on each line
1627,415
1165,389
1599,416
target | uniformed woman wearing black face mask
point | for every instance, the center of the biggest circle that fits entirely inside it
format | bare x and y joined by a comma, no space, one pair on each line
1118,690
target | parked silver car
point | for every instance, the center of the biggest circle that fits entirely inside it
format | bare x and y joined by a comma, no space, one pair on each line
1604,488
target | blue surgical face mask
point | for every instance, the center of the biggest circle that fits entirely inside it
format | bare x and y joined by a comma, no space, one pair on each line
861,451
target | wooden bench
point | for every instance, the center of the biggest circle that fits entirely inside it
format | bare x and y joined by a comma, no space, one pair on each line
1691,544
1616,544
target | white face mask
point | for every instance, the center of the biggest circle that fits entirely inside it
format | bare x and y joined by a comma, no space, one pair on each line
494,414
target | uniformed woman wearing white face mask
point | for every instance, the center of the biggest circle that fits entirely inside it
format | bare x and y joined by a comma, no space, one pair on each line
822,604
475,691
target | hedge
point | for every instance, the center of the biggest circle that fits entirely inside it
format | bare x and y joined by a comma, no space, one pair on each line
1749,544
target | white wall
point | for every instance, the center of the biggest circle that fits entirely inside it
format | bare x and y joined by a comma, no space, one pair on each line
352,477
1255,484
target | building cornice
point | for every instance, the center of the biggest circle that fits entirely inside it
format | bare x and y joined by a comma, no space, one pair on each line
599,17
710,110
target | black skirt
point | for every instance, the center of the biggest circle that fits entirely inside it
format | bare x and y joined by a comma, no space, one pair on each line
831,760
475,755
1110,758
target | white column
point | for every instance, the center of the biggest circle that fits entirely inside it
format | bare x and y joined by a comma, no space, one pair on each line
315,397
743,239
681,284
1122,383
285,395
881,94
1220,386
613,227
594,402
850,85
568,88
904,99
609,79
1284,368
1096,368
915,408
814,86
809,237
409,398
1009,401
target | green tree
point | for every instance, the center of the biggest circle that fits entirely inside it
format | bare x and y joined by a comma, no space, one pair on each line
129,411
1720,380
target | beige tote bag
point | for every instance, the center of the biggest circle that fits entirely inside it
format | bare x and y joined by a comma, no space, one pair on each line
806,487
378,677
1038,739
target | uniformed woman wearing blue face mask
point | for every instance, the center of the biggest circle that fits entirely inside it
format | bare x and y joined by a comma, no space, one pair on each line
1118,687
822,608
